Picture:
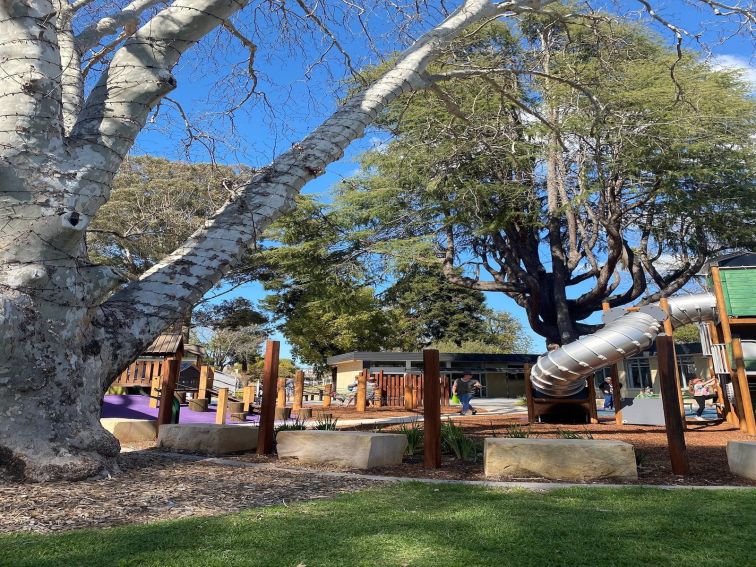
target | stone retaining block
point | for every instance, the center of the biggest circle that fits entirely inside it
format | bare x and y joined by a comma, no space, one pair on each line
345,449
131,430
741,456
207,438
578,460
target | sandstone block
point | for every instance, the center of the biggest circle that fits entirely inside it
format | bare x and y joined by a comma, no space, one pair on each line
235,407
199,404
578,460
346,449
741,456
207,438
131,430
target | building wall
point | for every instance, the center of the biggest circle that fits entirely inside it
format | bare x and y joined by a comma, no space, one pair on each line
701,367
346,372
496,384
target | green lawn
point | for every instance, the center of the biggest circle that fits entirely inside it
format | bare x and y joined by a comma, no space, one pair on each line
416,524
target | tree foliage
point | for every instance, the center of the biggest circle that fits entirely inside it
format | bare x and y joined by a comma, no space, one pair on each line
154,206
565,165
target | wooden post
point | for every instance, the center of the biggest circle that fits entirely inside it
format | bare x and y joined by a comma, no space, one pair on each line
669,331
616,385
281,396
298,390
156,382
268,406
675,433
220,412
202,390
730,414
167,386
361,401
378,390
529,393
742,383
249,397
724,325
327,390
431,409
408,392
416,380
592,412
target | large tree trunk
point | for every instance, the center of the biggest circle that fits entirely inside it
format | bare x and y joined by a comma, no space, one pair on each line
63,337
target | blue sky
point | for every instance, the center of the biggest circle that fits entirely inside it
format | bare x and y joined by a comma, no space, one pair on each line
302,99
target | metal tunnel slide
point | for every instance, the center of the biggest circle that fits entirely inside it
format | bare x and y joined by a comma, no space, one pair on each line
562,373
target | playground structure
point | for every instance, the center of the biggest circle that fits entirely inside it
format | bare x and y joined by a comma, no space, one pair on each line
565,376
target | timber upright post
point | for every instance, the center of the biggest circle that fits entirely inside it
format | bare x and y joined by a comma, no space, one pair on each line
408,392
203,379
669,331
726,336
220,412
678,452
327,389
745,394
281,395
268,405
248,397
431,409
361,400
616,386
168,383
296,404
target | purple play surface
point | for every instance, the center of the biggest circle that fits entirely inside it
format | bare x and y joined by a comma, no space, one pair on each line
138,407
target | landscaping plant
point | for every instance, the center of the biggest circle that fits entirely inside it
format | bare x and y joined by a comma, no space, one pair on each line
456,442
414,432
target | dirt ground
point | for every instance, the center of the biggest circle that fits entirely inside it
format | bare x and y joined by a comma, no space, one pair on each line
151,487
347,413
706,450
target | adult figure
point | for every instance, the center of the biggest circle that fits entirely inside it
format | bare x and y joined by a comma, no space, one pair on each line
465,388
608,391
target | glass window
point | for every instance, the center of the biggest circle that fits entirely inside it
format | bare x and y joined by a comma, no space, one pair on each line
687,367
638,373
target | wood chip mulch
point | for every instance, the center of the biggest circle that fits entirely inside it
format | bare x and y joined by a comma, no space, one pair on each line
706,451
151,487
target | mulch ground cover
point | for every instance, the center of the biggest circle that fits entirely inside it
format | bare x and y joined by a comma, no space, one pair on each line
349,412
706,450
152,487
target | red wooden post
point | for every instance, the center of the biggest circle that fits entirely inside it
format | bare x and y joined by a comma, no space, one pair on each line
678,453
268,405
432,409
167,386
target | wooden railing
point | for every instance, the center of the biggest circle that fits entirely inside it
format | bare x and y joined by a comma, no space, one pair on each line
141,373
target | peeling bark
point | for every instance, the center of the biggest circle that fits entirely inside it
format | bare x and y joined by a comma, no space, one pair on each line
63,337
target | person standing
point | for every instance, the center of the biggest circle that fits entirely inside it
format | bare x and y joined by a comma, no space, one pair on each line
464,388
608,391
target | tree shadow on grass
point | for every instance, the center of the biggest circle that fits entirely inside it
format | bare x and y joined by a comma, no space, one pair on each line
416,524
